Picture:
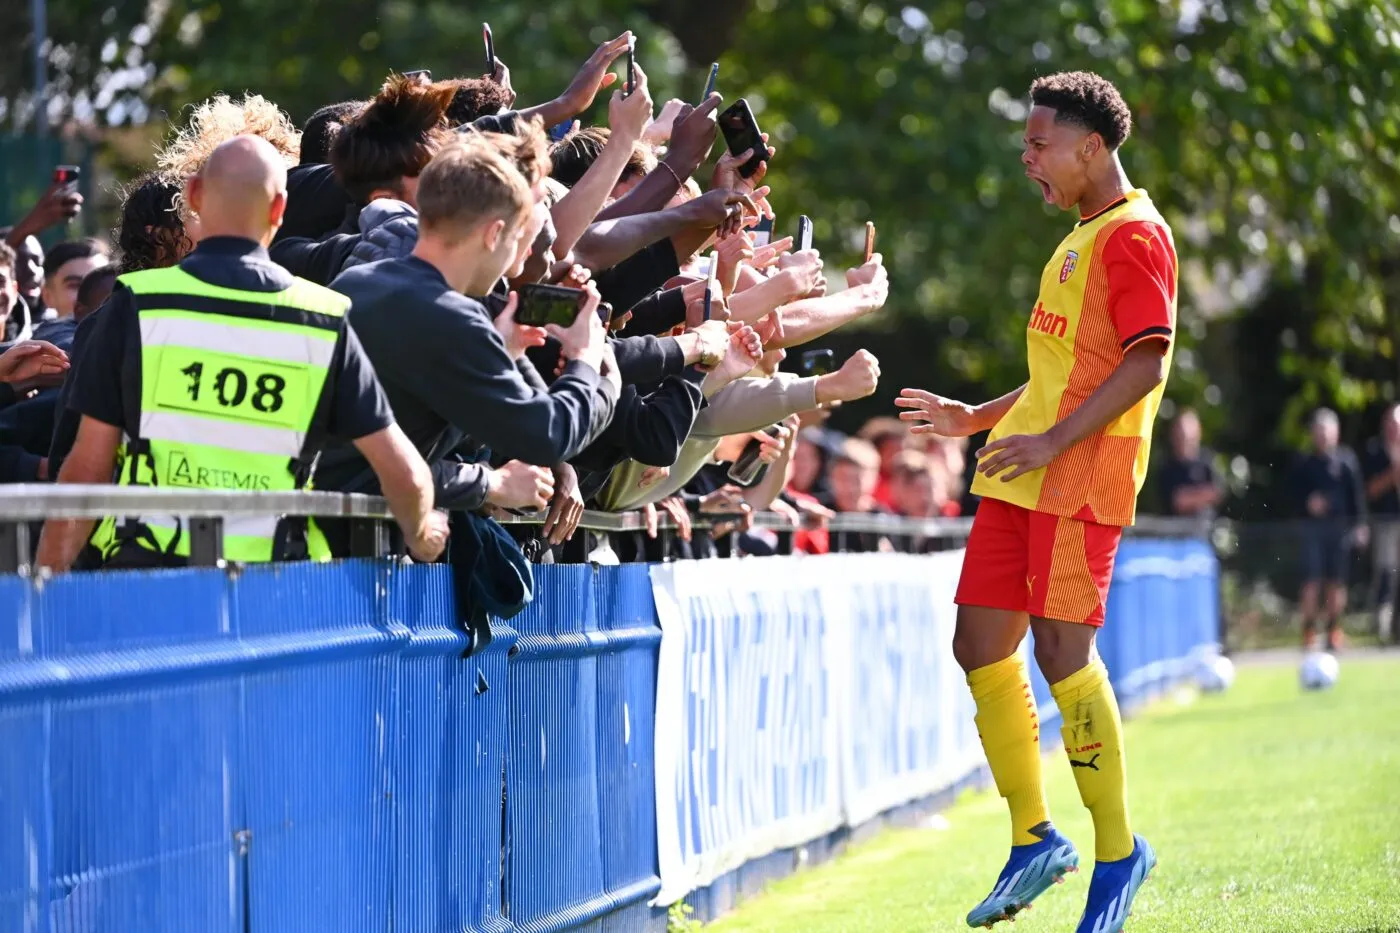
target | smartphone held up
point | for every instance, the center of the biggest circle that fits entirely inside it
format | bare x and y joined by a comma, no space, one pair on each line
741,134
747,468
804,233
66,179
631,67
818,362
542,305
762,233
490,43
710,84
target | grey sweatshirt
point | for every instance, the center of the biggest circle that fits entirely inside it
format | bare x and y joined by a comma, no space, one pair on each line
746,405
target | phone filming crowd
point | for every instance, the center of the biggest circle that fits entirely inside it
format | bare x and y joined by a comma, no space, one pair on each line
470,306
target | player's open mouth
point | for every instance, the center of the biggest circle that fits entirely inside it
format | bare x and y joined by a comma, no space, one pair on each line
1045,191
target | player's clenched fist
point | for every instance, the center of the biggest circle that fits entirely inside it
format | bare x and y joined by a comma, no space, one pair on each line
935,414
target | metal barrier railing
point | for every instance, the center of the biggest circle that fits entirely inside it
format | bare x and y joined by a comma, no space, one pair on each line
23,504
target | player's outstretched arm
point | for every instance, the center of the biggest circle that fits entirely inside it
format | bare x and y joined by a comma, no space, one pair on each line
946,417
1142,369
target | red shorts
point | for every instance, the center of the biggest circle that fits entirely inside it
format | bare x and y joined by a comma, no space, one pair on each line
1048,566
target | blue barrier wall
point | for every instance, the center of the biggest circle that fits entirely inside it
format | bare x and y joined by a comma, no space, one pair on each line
302,748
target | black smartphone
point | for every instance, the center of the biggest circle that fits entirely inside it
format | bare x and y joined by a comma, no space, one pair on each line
605,314
631,67
804,233
748,469
741,133
869,240
541,305
67,174
490,49
818,362
710,84
763,233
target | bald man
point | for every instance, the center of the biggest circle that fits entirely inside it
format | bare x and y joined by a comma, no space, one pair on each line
227,372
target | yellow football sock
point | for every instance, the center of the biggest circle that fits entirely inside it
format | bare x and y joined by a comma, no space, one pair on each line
1093,734
1010,731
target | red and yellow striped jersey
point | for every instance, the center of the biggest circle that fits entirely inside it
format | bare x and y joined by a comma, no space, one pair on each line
1110,284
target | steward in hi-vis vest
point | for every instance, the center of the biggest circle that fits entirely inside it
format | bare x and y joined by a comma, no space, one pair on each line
226,372
230,381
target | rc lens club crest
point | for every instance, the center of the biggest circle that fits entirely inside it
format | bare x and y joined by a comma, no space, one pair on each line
1066,270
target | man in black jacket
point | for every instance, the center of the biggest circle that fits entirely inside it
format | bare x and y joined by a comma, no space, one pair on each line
450,375
1331,500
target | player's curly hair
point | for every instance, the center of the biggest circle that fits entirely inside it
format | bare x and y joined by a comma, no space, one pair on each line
220,118
151,234
1085,99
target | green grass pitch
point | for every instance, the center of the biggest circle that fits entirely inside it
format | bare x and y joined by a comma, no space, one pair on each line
1272,811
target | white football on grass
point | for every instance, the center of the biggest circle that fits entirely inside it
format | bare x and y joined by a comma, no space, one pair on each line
1319,671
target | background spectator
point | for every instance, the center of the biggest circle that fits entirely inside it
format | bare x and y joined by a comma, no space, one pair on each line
1381,464
811,454
1330,498
854,474
152,233
1189,482
915,489
65,267
9,285
887,435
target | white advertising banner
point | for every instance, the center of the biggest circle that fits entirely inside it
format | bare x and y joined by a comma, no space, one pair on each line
795,695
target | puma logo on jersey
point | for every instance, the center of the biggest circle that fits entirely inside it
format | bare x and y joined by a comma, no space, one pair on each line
1146,239
1048,322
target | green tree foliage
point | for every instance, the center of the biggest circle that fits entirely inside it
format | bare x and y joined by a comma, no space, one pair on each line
1268,131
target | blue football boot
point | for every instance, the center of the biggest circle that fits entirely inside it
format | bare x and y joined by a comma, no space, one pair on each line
1113,888
1029,873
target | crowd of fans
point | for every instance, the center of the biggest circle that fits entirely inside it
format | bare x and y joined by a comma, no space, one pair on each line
431,205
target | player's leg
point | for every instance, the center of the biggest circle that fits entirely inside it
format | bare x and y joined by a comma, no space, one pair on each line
1308,601
991,625
1386,534
986,644
1309,594
1335,593
1066,615
1092,729
1336,608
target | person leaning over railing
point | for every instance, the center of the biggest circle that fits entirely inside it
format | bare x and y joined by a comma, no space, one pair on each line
449,369
225,372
